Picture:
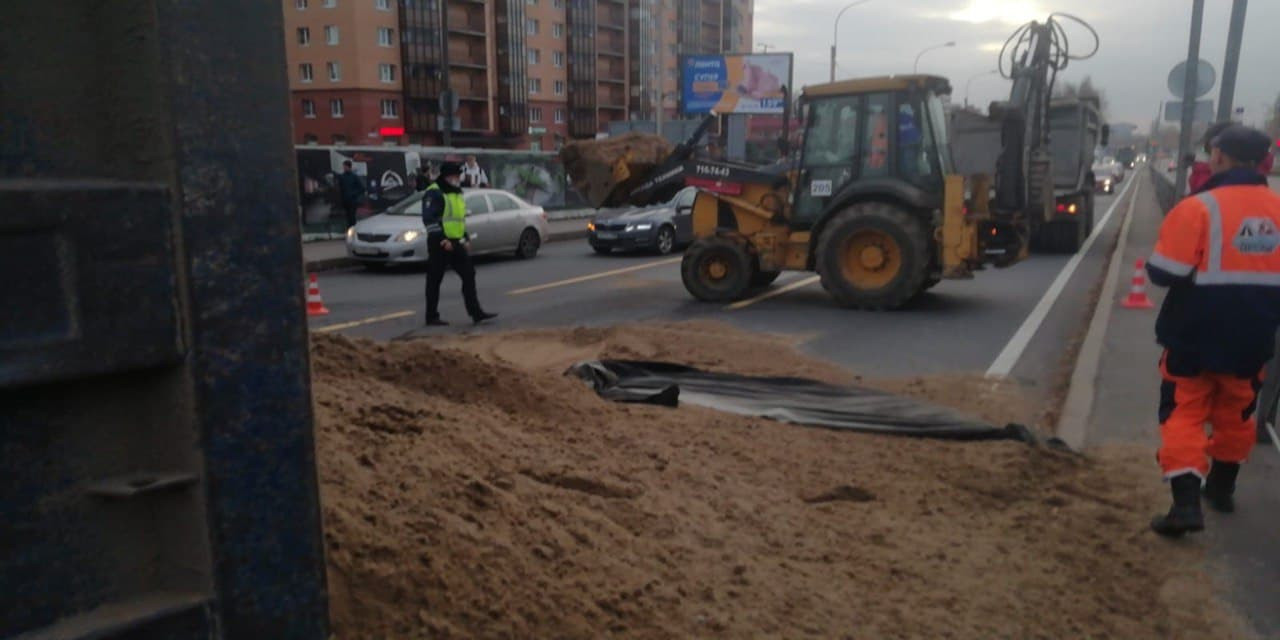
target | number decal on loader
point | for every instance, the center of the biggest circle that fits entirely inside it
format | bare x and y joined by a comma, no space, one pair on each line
820,188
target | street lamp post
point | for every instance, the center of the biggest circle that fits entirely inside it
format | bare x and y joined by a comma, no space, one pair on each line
970,81
835,35
915,68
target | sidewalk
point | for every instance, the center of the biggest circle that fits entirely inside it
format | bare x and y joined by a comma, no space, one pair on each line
325,255
1243,548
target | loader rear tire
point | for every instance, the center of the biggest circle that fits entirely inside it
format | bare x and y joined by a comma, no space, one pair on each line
716,269
874,256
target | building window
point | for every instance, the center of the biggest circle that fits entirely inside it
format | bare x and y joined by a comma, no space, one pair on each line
535,145
335,107
532,2
304,36
335,71
557,59
300,4
384,5
559,116
535,114
308,108
339,139
535,56
535,85
330,34
390,109
310,138
385,36
559,4
329,4
557,30
559,87
531,27
304,72
387,72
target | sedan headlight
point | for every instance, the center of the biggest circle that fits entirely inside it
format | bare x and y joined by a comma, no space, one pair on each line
351,234
408,236
591,226
643,226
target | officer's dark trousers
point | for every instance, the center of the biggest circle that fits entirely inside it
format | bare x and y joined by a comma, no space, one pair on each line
438,260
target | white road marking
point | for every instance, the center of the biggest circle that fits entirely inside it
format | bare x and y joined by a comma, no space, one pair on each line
358,323
1012,351
594,276
804,282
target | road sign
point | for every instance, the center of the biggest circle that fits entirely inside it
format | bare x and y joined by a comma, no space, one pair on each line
1206,77
1203,113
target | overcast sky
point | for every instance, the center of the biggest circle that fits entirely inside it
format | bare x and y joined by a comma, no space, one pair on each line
1141,41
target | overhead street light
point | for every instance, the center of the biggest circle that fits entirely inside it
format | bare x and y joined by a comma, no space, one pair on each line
835,35
915,68
975,77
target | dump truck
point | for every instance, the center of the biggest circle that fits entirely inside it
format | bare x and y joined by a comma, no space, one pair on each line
1075,129
156,448
872,201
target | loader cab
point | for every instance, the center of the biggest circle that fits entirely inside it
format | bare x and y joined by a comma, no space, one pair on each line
874,137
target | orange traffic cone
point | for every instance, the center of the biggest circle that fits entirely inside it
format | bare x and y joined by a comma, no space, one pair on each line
315,305
1138,290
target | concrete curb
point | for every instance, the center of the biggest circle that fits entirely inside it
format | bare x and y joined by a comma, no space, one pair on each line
1077,408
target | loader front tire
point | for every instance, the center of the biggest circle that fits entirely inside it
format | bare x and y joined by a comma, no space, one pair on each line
716,269
873,256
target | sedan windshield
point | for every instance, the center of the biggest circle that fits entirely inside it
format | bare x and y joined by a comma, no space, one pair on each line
411,206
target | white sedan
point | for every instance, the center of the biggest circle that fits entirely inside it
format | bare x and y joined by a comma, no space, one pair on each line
497,222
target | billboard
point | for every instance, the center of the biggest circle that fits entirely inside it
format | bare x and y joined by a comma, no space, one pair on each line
746,83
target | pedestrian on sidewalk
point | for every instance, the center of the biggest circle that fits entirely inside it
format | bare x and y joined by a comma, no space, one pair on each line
350,191
444,213
1218,254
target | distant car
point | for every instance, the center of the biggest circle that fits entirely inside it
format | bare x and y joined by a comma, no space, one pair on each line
1142,158
1104,175
659,228
497,222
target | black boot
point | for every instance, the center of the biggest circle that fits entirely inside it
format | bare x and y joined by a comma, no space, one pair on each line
1184,515
435,321
484,315
1220,486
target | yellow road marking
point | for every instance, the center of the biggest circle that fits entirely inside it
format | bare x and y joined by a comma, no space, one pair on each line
803,282
357,323
594,276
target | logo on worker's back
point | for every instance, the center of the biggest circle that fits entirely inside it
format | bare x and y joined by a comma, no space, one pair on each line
1257,235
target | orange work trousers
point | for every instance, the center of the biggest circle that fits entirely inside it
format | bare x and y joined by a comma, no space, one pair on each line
1188,403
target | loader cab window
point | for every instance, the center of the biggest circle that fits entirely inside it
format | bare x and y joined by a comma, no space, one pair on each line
830,153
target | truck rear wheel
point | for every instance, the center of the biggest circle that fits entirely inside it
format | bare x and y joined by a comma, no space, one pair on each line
873,256
716,269
1063,236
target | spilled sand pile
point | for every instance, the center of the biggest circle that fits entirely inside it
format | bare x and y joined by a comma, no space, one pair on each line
471,491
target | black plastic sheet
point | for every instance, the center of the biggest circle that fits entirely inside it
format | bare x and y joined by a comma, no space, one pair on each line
793,400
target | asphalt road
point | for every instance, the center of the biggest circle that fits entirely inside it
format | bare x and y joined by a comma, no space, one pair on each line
958,327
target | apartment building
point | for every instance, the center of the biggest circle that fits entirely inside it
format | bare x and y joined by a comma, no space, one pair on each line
521,74
344,70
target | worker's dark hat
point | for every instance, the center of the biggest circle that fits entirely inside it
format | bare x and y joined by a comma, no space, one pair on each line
1243,144
450,169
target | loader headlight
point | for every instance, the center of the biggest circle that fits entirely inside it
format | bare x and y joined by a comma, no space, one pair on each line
408,236
643,226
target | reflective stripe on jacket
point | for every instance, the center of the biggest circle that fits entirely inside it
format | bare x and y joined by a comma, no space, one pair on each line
453,220
1219,251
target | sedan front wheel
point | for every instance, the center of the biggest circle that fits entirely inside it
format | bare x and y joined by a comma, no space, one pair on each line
666,241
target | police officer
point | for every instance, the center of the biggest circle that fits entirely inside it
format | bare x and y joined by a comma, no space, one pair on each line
1219,254
444,213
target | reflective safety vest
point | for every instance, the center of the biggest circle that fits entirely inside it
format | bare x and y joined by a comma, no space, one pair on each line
453,220
1220,251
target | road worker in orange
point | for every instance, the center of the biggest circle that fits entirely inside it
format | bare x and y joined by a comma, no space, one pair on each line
1219,254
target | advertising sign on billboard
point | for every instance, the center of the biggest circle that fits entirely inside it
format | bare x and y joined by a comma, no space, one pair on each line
749,83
